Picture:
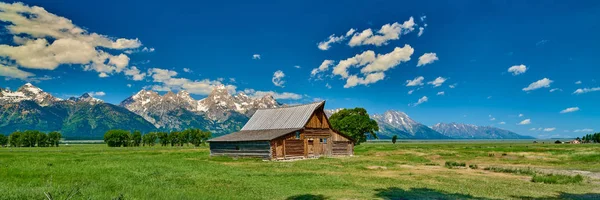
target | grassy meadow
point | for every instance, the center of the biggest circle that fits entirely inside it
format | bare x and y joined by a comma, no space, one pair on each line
414,170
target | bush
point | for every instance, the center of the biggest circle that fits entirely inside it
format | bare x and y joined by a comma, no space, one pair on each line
54,138
117,138
136,138
163,137
453,164
149,139
525,171
473,166
556,179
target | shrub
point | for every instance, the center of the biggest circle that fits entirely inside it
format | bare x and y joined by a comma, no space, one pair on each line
556,179
3,140
473,166
524,171
54,138
453,164
136,138
15,139
394,138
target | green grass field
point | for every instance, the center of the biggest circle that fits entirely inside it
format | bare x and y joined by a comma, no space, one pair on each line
378,171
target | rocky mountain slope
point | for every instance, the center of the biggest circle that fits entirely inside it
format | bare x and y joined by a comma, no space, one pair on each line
398,123
468,131
85,117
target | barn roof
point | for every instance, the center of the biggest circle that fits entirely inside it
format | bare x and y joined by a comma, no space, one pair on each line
293,117
254,135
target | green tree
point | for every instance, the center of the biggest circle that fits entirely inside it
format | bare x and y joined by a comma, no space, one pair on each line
163,137
394,138
136,139
355,123
29,138
42,139
184,138
54,138
3,140
117,138
174,138
15,139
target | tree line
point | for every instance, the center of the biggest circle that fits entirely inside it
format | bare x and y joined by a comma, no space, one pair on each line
31,138
124,138
591,138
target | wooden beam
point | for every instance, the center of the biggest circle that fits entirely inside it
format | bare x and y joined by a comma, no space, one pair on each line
284,148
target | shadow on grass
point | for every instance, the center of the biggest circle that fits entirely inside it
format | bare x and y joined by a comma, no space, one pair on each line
563,195
307,197
419,193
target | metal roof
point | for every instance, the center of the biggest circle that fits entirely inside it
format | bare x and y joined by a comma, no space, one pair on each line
254,135
294,117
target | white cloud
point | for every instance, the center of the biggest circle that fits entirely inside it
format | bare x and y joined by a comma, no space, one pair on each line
129,85
323,67
586,90
415,82
437,82
285,95
441,93
45,41
525,122
325,45
386,33
542,83
297,66
578,82
521,115
501,122
374,65
187,70
278,78
568,110
135,73
421,29
97,94
411,91
453,86
427,58
549,129
256,57
517,69
555,89
421,100
493,119
327,86
166,81
532,129
14,72
584,130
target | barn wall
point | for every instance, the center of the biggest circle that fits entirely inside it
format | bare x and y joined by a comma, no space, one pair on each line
260,149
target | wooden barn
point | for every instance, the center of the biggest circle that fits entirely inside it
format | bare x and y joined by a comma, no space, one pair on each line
301,131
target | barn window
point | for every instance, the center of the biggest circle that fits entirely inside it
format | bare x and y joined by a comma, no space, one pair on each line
324,140
297,134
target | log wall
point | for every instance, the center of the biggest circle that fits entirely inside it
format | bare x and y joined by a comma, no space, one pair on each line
261,149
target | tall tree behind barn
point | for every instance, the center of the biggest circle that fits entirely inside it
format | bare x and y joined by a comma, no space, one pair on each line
301,131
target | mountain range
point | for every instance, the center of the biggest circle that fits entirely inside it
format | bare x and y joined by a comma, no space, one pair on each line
86,117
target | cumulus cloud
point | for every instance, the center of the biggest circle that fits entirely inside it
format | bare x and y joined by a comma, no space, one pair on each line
44,41
578,82
437,82
278,78
421,29
549,129
493,119
453,86
384,35
256,57
415,82
297,66
14,72
521,115
322,68
568,110
97,94
166,81
501,122
542,83
129,85
187,70
373,66
135,73
420,101
517,69
285,95
325,45
427,58
411,91
441,93
555,89
525,122
586,90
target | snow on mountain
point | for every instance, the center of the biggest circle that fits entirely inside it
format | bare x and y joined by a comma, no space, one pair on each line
27,92
468,131
86,98
219,106
394,122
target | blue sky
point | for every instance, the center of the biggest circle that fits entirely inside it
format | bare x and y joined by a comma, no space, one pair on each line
194,46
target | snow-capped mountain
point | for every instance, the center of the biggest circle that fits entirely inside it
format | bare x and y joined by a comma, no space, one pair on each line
468,131
176,111
394,122
86,98
27,92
